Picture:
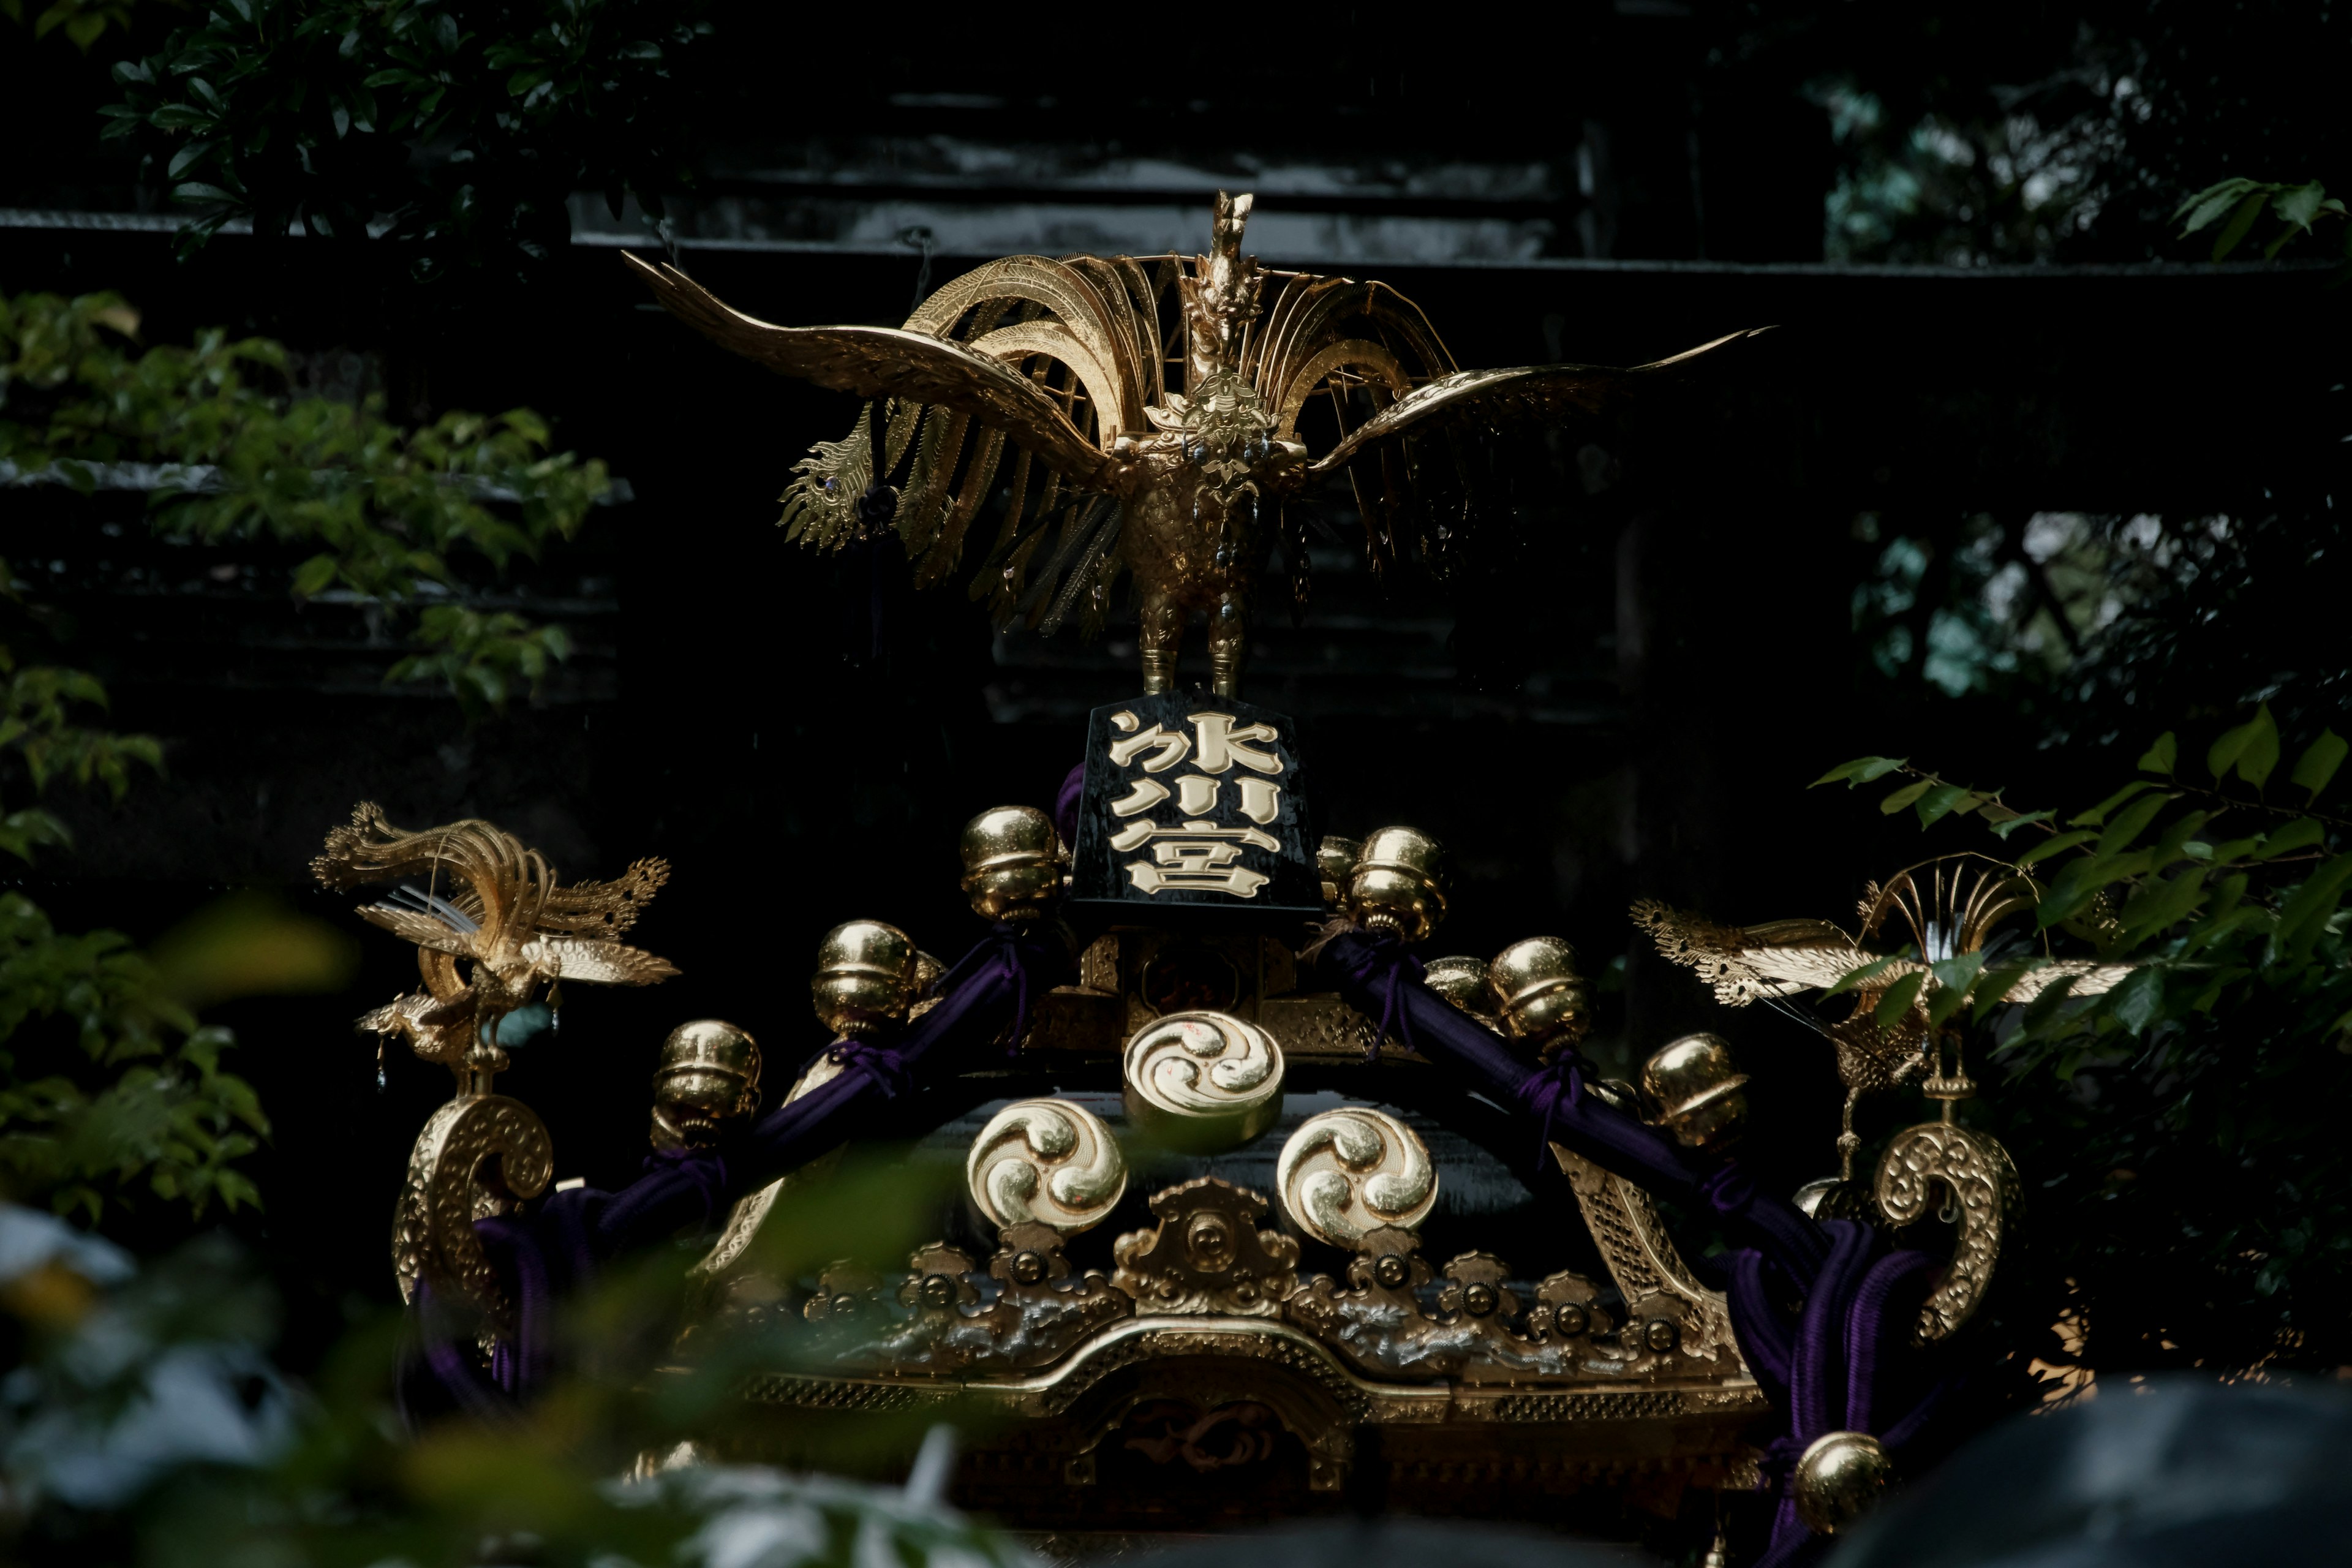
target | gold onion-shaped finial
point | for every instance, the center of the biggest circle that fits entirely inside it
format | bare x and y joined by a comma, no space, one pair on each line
1012,864
709,1072
1462,981
1539,994
1696,1089
866,978
1398,883
1837,1479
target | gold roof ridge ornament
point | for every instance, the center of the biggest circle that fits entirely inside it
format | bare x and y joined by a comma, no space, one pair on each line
1069,364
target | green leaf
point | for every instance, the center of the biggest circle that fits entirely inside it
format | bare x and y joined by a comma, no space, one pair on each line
2301,834
1857,978
2058,846
1904,796
2252,747
313,575
2129,824
2098,812
2240,223
2007,825
1943,800
2319,762
1898,999
2154,906
1861,771
1954,976
2298,205
2207,206
2306,911
2160,757
2135,1003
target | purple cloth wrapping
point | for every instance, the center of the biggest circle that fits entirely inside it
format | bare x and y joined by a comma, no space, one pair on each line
558,1242
1065,806
1831,1369
1381,980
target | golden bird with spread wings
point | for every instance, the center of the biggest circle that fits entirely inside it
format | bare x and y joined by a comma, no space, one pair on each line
506,914
1160,449
1946,912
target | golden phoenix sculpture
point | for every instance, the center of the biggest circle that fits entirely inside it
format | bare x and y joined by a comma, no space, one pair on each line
1163,451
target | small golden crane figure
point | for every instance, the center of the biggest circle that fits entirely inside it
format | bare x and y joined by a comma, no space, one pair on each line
1067,362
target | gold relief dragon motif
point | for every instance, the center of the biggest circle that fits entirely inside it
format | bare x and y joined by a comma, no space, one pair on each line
1068,363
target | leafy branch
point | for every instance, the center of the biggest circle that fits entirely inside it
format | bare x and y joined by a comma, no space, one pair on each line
2237,204
392,512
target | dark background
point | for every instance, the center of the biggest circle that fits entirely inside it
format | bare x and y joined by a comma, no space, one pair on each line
1637,715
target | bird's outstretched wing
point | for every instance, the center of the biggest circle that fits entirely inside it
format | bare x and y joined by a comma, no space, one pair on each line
1536,391
1751,963
911,367
603,963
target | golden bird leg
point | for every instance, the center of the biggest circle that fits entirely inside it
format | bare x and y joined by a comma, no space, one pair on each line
1848,1140
1228,643
1159,635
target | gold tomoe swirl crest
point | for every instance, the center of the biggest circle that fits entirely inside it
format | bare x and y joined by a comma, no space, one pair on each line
1978,1173
1046,1162
1348,1172
481,1154
1203,1081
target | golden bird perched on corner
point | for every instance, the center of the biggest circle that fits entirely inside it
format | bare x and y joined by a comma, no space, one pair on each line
505,912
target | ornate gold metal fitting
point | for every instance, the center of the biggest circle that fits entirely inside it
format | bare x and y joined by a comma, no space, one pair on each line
1398,883
1538,994
1336,859
1833,1198
1980,1181
866,978
1697,1091
1462,981
1202,1082
1044,1162
1207,1254
1837,1479
1012,864
709,1072
1347,1172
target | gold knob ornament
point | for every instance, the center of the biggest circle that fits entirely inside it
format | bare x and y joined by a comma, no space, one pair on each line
709,1072
1334,857
1462,981
1697,1090
1012,864
1837,1479
1539,995
866,978
1398,883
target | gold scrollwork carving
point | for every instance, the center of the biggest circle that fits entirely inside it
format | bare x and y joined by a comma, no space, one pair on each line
1349,1172
480,1155
1046,1162
1207,1254
1976,1171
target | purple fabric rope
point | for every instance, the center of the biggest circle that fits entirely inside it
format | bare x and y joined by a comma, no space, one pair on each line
560,1242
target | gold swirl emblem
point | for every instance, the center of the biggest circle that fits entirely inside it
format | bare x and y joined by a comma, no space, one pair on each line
1046,1162
1982,1181
481,1154
1202,1082
1356,1170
